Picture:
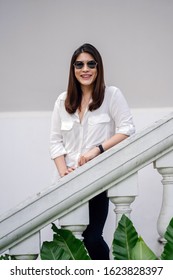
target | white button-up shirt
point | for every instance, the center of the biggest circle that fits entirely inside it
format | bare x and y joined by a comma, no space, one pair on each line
71,138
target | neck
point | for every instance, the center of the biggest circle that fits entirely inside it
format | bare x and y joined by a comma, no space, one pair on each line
87,91
86,97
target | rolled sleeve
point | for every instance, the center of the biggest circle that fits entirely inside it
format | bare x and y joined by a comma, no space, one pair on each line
121,114
128,130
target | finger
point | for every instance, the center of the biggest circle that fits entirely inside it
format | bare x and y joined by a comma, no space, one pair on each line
82,160
79,161
66,172
70,169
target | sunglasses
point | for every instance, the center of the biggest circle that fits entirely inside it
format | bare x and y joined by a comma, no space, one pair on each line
80,64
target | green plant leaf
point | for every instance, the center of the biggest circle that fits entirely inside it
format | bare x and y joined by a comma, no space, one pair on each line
7,257
65,246
51,251
125,238
168,248
55,229
142,252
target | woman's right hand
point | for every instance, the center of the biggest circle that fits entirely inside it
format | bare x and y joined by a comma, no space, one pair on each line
67,171
62,167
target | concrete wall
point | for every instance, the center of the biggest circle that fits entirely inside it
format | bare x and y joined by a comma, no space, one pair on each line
38,38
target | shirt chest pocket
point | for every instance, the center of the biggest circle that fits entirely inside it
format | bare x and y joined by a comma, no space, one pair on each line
100,119
66,125
67,132
98,129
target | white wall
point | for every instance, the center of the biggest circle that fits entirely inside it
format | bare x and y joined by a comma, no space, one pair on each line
25,165
38,38
26,168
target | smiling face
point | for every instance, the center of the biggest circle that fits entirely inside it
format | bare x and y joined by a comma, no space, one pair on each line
85,76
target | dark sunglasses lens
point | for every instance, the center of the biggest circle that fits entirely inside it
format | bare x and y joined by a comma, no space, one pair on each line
78,64
91,64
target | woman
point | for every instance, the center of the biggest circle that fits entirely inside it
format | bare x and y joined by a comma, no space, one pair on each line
87,120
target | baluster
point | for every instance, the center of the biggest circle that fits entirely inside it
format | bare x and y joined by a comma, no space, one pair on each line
122,195
164,166
76,221
27,249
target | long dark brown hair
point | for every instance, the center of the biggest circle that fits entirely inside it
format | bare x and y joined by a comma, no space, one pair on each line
74,93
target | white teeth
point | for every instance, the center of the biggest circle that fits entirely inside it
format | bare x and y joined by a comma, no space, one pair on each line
85,76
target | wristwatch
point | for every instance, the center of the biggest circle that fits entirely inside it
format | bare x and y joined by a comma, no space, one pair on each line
100,148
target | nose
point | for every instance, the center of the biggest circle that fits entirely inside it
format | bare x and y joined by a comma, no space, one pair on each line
85,67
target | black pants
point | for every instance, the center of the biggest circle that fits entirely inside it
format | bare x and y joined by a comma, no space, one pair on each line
93,239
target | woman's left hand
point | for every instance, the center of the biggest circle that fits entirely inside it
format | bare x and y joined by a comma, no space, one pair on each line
88,156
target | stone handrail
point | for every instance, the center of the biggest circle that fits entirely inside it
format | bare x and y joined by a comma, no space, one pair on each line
74,190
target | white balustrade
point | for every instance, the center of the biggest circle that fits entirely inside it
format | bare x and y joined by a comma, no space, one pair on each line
123,194
27,249
114,171
76,221
164,165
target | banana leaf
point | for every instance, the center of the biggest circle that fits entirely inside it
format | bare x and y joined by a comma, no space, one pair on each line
168,248
142,252
65,246
125,238
51,251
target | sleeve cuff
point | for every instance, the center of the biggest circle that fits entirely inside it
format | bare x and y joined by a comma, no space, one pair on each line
55,154
128,130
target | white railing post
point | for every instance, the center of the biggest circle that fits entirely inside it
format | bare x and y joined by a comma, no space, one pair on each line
164,166
28,249
123,194
76,221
